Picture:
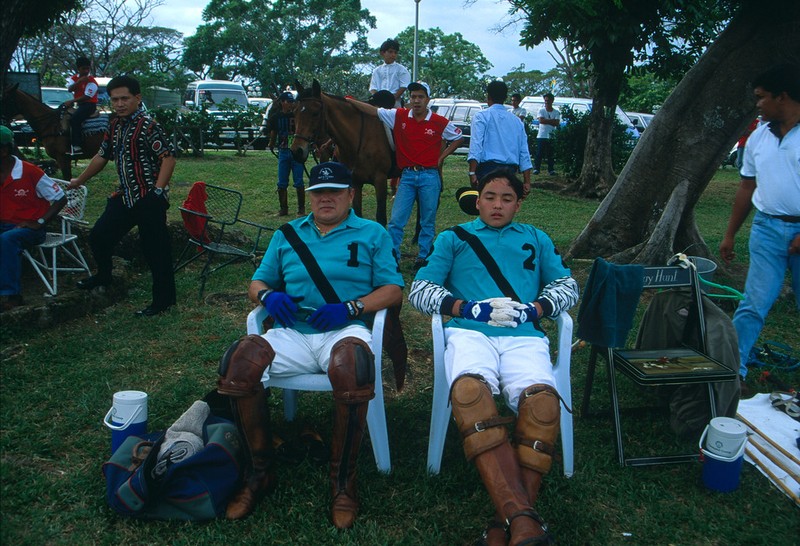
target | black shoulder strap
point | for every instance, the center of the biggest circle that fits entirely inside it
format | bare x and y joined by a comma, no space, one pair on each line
319,278
488,262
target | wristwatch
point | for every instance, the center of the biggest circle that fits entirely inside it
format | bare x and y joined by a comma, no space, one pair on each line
40,221
354,309
262,294
158,191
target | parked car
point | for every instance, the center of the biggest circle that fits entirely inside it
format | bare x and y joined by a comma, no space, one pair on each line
209,94
640,120
534,104
55,96
460,112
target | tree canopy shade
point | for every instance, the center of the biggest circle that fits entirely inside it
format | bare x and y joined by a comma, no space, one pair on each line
649,213
450,64
610,35
23,17
275,42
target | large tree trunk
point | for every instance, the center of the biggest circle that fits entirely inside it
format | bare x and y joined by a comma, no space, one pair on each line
597,174
687,140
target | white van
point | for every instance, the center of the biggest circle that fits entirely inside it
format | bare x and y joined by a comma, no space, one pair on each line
533,104
209,94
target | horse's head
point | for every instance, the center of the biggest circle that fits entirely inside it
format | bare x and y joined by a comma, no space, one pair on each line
309,121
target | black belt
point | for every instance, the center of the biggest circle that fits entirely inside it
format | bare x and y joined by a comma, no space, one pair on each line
785,218
420,168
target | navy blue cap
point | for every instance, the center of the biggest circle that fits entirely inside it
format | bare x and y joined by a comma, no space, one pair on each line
329,175
287,96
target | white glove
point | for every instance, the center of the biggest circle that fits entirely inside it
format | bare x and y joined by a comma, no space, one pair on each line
503,312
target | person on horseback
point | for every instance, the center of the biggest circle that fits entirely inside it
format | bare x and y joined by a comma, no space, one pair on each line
84,89
390,76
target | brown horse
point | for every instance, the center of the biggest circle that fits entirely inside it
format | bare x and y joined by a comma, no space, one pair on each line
361,141
47,125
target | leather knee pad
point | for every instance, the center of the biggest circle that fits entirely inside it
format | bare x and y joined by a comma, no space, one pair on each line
352,371
537,427
243,365
476,415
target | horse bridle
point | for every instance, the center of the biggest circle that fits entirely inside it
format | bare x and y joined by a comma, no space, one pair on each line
312,140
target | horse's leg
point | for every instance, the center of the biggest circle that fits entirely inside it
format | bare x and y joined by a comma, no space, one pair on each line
380,198
357,200
64,161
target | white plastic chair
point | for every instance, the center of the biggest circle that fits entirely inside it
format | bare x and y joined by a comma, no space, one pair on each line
440,413
48,267
376,413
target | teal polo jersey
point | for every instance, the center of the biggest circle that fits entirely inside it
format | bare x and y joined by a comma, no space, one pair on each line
526,256
356,257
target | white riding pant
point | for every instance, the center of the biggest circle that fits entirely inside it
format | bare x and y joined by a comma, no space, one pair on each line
508,364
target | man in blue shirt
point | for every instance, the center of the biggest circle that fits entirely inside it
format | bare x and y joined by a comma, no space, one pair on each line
498,139
312,334
494,345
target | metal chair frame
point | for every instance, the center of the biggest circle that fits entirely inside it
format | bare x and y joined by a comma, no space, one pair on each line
223,206
656,277
44,257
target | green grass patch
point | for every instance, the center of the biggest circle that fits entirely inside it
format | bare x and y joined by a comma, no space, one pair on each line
58,384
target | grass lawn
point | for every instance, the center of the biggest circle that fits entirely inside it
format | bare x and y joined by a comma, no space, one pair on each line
58,384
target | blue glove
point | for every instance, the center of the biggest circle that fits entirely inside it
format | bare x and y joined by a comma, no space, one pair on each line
281,307
480,311
527,313
329,317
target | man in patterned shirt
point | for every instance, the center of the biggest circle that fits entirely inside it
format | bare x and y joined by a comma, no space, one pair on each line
495,345
145,162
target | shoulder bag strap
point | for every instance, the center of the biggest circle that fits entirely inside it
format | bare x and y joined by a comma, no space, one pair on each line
488,262
319,278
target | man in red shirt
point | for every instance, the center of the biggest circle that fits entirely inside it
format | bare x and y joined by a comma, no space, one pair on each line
84,88
28,199
418,135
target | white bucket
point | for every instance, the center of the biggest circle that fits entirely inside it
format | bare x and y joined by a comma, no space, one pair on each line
127,417
725,436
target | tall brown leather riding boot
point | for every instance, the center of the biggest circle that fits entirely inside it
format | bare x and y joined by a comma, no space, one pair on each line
252,420
301,201
348,430
502,478
283,202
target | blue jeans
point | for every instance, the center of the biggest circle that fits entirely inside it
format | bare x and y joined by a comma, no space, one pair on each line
287,163
12,241
769,258
423,186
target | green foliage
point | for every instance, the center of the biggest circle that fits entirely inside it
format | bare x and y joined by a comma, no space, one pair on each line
570,142
532,82
644,92
272,44
450,64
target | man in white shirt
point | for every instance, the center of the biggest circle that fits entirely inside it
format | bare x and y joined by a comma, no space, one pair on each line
549,120
390,76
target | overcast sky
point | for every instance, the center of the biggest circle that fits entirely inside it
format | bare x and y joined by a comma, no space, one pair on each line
474,23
